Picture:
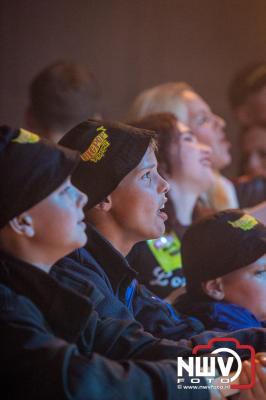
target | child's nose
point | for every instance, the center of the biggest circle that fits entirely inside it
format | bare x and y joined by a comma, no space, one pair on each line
206,149
82,199
164,185
220,121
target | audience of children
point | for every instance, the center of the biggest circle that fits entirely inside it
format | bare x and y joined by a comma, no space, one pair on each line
103,146
49,331
69,323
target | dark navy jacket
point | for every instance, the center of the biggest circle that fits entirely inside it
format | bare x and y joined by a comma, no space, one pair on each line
85,268
111,273
218,315
250,190
48,335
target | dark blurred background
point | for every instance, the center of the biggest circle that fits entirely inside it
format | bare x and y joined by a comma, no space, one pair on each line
130,45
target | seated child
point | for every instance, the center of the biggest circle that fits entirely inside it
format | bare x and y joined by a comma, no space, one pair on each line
126,206
224,260
48,331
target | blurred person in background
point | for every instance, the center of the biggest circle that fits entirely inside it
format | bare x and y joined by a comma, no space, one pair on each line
191,109
253,150
247,95
60,96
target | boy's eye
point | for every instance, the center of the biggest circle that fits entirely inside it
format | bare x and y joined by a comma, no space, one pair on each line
147,175
68,190
261,273
204,119
188,137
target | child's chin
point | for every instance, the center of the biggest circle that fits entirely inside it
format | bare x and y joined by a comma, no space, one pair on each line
158,232
82,241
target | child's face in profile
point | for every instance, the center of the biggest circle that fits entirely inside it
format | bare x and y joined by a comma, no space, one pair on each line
191,160
57,220
247,287
253,143
138,199
208,128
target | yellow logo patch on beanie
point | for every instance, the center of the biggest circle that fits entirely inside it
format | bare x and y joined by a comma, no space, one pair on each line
26,137
97,149
246,223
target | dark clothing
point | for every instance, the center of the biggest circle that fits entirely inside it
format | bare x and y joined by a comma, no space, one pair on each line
159,262
48,333
82,266
112,274
81,269
250,191
77,276
219,316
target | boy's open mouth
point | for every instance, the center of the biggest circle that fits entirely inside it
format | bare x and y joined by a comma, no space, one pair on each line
161,213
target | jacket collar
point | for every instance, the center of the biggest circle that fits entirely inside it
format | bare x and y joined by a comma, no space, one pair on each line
57,303
111,260
219,315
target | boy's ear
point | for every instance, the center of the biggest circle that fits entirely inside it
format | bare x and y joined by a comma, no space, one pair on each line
104,205
214,289
23,225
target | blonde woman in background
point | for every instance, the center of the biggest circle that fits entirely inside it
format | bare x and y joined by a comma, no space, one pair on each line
180,99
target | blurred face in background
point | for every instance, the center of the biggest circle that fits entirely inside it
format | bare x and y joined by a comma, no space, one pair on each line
208,128
190,160
253,148
253,110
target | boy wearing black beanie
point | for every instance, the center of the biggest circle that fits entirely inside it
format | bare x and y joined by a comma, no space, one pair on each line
125,207
40,210
224,258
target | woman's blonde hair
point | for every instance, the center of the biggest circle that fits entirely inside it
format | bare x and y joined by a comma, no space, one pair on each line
166,97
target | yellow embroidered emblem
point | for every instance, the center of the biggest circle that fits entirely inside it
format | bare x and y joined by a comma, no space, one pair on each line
26,137
97,149
245,223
